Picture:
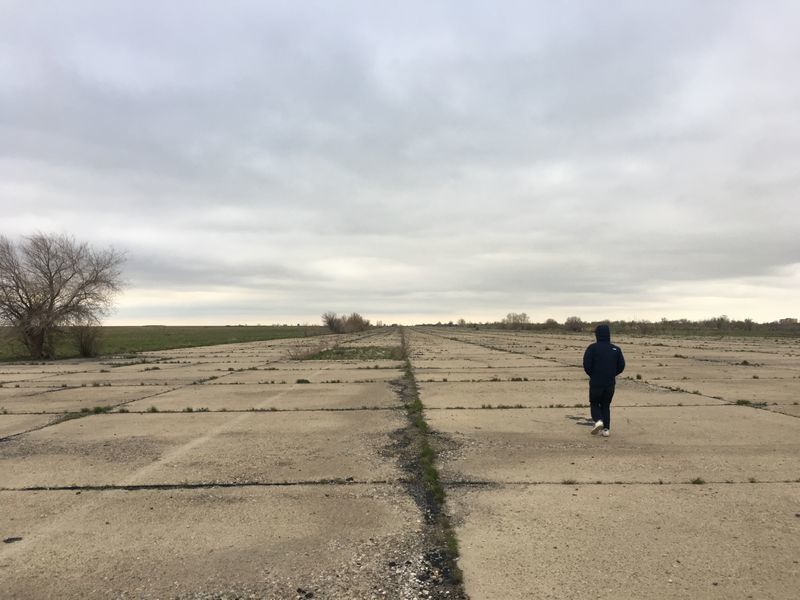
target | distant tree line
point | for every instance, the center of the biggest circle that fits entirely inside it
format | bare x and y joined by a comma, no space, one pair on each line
345,323
721,325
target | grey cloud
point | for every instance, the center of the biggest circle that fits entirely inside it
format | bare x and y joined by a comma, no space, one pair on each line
459,156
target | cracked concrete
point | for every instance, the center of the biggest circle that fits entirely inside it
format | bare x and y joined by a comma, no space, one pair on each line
542,509
209,503
225,501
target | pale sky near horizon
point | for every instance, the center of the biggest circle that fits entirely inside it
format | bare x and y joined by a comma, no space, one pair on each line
264,162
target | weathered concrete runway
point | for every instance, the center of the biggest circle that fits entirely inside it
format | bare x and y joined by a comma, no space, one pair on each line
543,509
221,472
243,471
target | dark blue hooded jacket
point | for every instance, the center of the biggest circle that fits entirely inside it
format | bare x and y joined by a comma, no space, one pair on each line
603,361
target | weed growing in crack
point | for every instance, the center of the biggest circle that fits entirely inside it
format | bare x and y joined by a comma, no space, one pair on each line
429,473
69,416
426,475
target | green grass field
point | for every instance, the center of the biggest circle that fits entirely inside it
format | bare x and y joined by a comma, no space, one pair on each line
122,340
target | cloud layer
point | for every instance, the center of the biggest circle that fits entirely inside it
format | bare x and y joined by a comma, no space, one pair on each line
264,162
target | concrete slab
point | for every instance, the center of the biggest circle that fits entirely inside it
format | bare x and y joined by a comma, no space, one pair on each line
297,397
7,379
786,409
648,444
305,365
505,374
449,363
706,371
754,390
218,367
615,541
489,359
315,375
9,395
156,376
51,368
547,393
74,399
113,449
13,424
331,541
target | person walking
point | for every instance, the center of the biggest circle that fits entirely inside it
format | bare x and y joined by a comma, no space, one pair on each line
602,361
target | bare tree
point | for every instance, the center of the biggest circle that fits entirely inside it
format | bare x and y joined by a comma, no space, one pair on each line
573,324
49,281
334,323
516,320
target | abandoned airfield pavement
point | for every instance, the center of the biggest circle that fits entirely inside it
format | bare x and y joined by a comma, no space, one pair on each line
248,471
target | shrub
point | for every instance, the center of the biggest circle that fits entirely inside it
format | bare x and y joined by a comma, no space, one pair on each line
573,324
87,338
345,324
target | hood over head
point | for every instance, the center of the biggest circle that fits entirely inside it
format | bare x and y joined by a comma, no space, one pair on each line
603,333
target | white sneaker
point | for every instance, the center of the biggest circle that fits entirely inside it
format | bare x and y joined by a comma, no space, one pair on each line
597,427
606,433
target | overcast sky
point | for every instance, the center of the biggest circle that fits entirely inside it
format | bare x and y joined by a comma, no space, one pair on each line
263,162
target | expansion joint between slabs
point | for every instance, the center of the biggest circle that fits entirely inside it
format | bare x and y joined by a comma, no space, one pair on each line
570,482
199,486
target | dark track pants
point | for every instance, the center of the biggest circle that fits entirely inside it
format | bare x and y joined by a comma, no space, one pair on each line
600,403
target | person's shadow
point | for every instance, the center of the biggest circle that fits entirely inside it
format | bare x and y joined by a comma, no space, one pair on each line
585,421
